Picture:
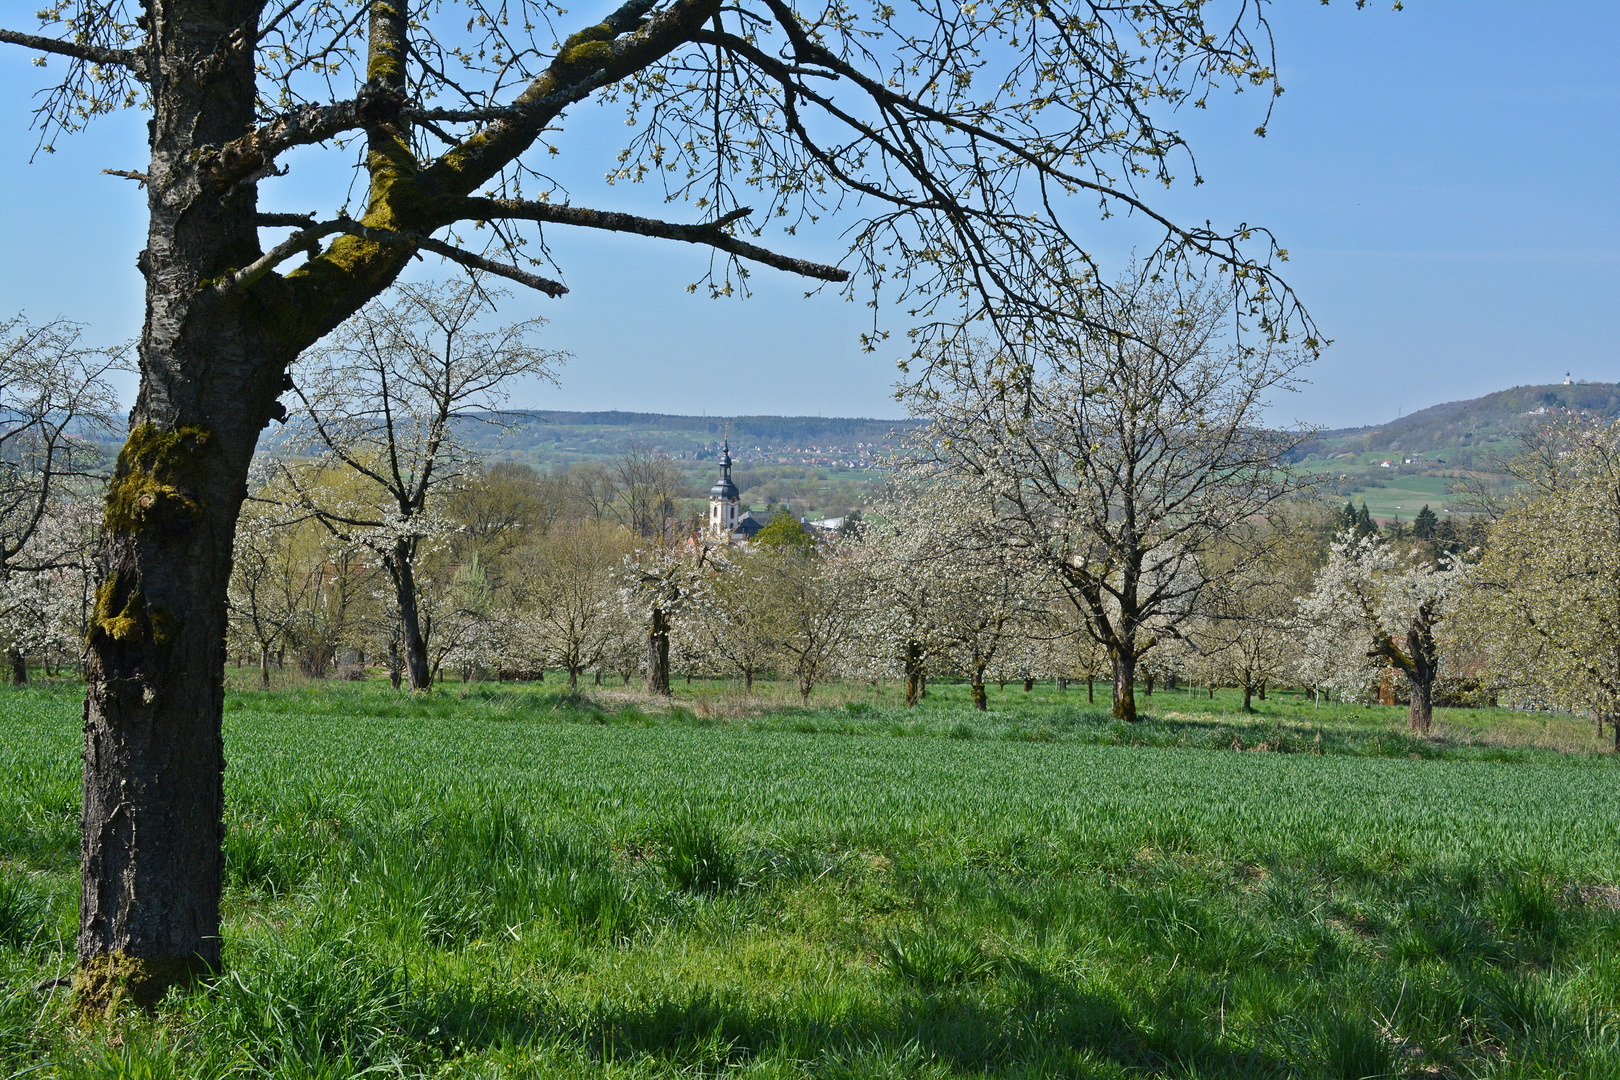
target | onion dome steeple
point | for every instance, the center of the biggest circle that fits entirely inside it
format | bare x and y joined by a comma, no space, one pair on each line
724,488
724,499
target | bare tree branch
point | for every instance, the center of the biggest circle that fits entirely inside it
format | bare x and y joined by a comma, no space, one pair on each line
478,262
710,233
301,127
90,54
308,240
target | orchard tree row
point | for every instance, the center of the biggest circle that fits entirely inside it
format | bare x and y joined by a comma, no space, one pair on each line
1123,517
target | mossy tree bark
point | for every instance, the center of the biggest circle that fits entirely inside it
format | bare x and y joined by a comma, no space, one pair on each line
210,375
658,652
1124,684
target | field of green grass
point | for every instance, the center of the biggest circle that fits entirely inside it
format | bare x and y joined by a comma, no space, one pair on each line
495,881
1402,495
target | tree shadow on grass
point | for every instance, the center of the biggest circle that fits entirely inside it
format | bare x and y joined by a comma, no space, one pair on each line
1025,1021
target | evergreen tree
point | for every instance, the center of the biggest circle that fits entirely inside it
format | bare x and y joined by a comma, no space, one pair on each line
1364,523
1445,537
1425,524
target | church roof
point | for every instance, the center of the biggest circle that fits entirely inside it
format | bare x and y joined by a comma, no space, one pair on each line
749,525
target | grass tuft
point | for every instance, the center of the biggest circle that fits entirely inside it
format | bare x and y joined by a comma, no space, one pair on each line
698,858
24,912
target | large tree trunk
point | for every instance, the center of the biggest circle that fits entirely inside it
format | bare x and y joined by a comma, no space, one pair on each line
154,674
658,653
211,370
748,681
1248,697
1421,714
1124,686
1091,691
412,640
17,664
573,678
981,700
264,666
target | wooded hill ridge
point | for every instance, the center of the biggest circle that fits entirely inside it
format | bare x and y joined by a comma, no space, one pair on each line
1471,422
537,434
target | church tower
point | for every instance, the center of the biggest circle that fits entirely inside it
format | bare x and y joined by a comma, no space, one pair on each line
724,499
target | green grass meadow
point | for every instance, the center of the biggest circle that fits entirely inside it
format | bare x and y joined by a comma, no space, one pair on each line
494,881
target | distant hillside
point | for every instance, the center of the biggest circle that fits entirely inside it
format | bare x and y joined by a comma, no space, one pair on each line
772,429
550,438
1481,419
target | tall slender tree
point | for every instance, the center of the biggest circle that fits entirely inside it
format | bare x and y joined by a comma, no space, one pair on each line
385,400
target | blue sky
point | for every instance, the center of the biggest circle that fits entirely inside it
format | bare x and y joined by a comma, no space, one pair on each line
1444,178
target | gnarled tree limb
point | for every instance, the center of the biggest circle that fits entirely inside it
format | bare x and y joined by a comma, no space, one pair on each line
301,127
91,54
709,233
308,239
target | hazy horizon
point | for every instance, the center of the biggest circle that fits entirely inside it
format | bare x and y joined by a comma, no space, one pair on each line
1450,223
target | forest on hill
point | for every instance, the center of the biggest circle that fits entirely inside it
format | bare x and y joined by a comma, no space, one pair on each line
1434,457
550,438
1461,424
